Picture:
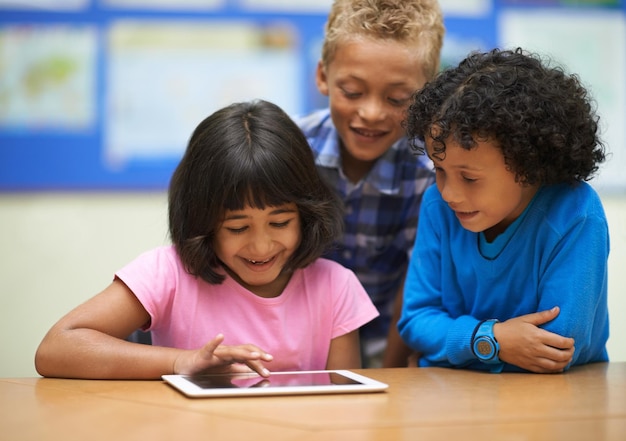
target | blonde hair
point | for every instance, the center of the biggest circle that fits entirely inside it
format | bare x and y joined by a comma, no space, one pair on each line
417,23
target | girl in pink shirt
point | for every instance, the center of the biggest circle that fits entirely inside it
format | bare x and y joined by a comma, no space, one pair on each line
243,286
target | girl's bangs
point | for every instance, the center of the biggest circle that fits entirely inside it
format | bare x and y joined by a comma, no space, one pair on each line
259,192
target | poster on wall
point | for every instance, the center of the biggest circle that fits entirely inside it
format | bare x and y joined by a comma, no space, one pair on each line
48,74
163,78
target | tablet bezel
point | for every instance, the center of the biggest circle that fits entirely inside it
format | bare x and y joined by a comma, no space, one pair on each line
190,389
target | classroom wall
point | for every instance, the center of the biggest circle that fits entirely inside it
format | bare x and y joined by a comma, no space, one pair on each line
57,250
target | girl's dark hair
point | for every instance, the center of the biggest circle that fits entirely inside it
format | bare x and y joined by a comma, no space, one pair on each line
252,154
543,119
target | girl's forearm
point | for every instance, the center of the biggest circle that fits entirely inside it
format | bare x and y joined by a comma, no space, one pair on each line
90,354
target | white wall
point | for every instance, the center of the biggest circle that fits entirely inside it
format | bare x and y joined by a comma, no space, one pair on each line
57,250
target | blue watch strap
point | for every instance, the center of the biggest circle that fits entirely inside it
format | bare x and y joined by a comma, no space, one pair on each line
485,346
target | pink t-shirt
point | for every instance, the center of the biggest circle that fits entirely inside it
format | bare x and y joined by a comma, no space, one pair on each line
320,302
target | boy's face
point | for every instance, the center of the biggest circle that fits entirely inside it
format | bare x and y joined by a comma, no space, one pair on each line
479,188
369,84
255,244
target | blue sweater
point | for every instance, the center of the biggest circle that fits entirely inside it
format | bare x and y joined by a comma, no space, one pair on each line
555,254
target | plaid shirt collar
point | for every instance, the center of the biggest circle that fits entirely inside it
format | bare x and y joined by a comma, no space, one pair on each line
381,176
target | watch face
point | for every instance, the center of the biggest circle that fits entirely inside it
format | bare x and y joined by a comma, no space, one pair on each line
484,348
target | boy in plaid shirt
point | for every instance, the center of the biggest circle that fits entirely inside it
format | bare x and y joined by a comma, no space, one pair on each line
376,54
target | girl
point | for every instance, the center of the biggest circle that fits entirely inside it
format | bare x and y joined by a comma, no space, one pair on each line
509,270
242,287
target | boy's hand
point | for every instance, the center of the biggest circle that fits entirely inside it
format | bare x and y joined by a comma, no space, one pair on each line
524,344
214,357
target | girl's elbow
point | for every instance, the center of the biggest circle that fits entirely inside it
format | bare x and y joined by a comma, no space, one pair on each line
47,359
42,362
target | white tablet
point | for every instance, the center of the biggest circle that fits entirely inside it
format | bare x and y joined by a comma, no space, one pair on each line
278,383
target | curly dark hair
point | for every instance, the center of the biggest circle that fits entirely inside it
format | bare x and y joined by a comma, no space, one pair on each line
253,154
542,118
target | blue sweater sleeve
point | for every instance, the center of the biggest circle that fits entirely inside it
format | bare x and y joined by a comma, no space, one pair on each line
426,323
573,273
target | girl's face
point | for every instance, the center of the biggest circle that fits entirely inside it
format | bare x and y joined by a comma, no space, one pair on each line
479,188
255,244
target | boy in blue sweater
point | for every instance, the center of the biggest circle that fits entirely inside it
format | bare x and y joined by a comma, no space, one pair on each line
509,269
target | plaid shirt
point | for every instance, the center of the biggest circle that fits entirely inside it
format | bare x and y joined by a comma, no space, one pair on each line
381,214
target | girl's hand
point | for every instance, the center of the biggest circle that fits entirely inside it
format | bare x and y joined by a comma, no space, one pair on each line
214,357
524,344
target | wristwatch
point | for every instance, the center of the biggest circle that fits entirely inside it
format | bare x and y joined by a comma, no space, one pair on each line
485,346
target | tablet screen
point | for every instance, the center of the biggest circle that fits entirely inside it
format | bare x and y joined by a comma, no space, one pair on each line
283,379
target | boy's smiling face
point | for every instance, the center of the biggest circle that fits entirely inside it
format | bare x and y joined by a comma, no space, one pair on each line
369,84
478,186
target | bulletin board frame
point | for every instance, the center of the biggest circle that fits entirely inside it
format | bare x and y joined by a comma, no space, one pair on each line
76,153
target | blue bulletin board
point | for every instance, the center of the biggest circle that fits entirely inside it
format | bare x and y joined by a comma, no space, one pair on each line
102,95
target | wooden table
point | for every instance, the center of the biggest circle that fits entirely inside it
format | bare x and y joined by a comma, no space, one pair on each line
586,403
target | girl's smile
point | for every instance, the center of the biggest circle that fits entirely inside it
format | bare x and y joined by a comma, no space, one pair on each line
260,265
255,244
